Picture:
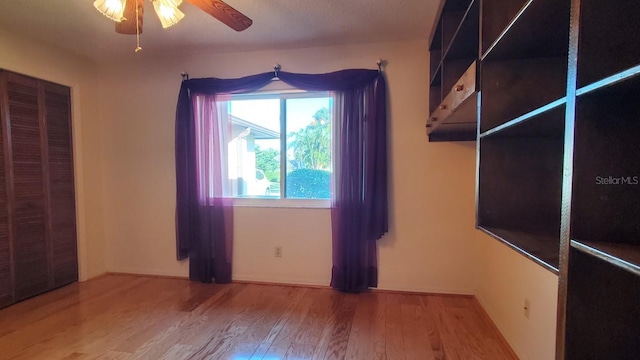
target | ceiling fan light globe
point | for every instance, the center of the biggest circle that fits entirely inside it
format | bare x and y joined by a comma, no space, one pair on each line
175,3
113,9
168,12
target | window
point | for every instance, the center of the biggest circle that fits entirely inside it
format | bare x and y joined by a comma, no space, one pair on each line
280,145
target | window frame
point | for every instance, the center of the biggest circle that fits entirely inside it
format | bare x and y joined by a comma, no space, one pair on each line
283,202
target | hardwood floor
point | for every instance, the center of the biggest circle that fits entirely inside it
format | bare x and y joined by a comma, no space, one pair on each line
132,317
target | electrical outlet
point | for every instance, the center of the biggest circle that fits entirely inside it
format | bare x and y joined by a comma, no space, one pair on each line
527,308
278,251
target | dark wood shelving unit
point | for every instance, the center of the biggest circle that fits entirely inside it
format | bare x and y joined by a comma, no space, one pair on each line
542,249
598,310
513,88
625,256
539,29
558,104
608,39
610,81
522,164
603,311
524,67
526,117
525,46
606,170
496,16
435,56
453,86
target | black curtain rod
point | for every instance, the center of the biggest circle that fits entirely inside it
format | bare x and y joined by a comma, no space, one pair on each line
277,67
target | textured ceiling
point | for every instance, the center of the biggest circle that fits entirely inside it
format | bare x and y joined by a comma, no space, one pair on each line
75,25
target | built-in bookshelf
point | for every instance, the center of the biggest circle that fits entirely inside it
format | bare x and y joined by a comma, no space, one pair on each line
453,82
557,98
523,108
599,304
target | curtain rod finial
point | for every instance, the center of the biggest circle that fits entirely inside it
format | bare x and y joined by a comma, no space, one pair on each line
184,75
276,69
381,63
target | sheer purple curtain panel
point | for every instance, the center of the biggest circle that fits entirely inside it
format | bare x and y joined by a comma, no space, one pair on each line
212,260
359,197
204,211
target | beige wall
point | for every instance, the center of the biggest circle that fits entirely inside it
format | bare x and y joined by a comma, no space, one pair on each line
39,60
429,248
505,280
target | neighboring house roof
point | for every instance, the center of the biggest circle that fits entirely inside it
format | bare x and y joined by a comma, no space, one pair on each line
257,131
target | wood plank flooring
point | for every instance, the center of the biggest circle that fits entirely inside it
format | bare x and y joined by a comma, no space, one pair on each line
132,317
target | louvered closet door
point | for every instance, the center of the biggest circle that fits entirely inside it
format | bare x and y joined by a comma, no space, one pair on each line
30,244
6,286
57,100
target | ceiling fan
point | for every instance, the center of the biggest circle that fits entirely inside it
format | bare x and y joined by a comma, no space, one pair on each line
128,14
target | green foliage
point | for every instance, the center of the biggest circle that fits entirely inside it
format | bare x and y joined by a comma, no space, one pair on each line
322,114
309,184
269,161
311,149
312,145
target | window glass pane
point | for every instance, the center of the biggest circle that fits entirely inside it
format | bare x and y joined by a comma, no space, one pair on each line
254,148
308,129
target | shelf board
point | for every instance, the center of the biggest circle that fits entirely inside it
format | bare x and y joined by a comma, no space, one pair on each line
460,125
540,29
455,48
468,28
435,80
454,127
514,88
520,186
606,146
456,5
607,39
625,256
454,132
623,76
436,37
543,250
541,111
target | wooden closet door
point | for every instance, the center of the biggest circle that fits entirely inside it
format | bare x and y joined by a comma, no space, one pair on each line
6,283
62,226
31,250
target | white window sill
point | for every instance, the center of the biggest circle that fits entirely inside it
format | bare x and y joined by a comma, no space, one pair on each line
282,203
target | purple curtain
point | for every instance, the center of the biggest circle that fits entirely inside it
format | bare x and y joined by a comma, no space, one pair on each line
204,211
359,196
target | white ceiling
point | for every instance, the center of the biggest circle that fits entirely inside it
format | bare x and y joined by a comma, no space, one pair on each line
76,26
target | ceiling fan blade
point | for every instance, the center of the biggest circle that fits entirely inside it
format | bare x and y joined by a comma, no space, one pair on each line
225,13
128,26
